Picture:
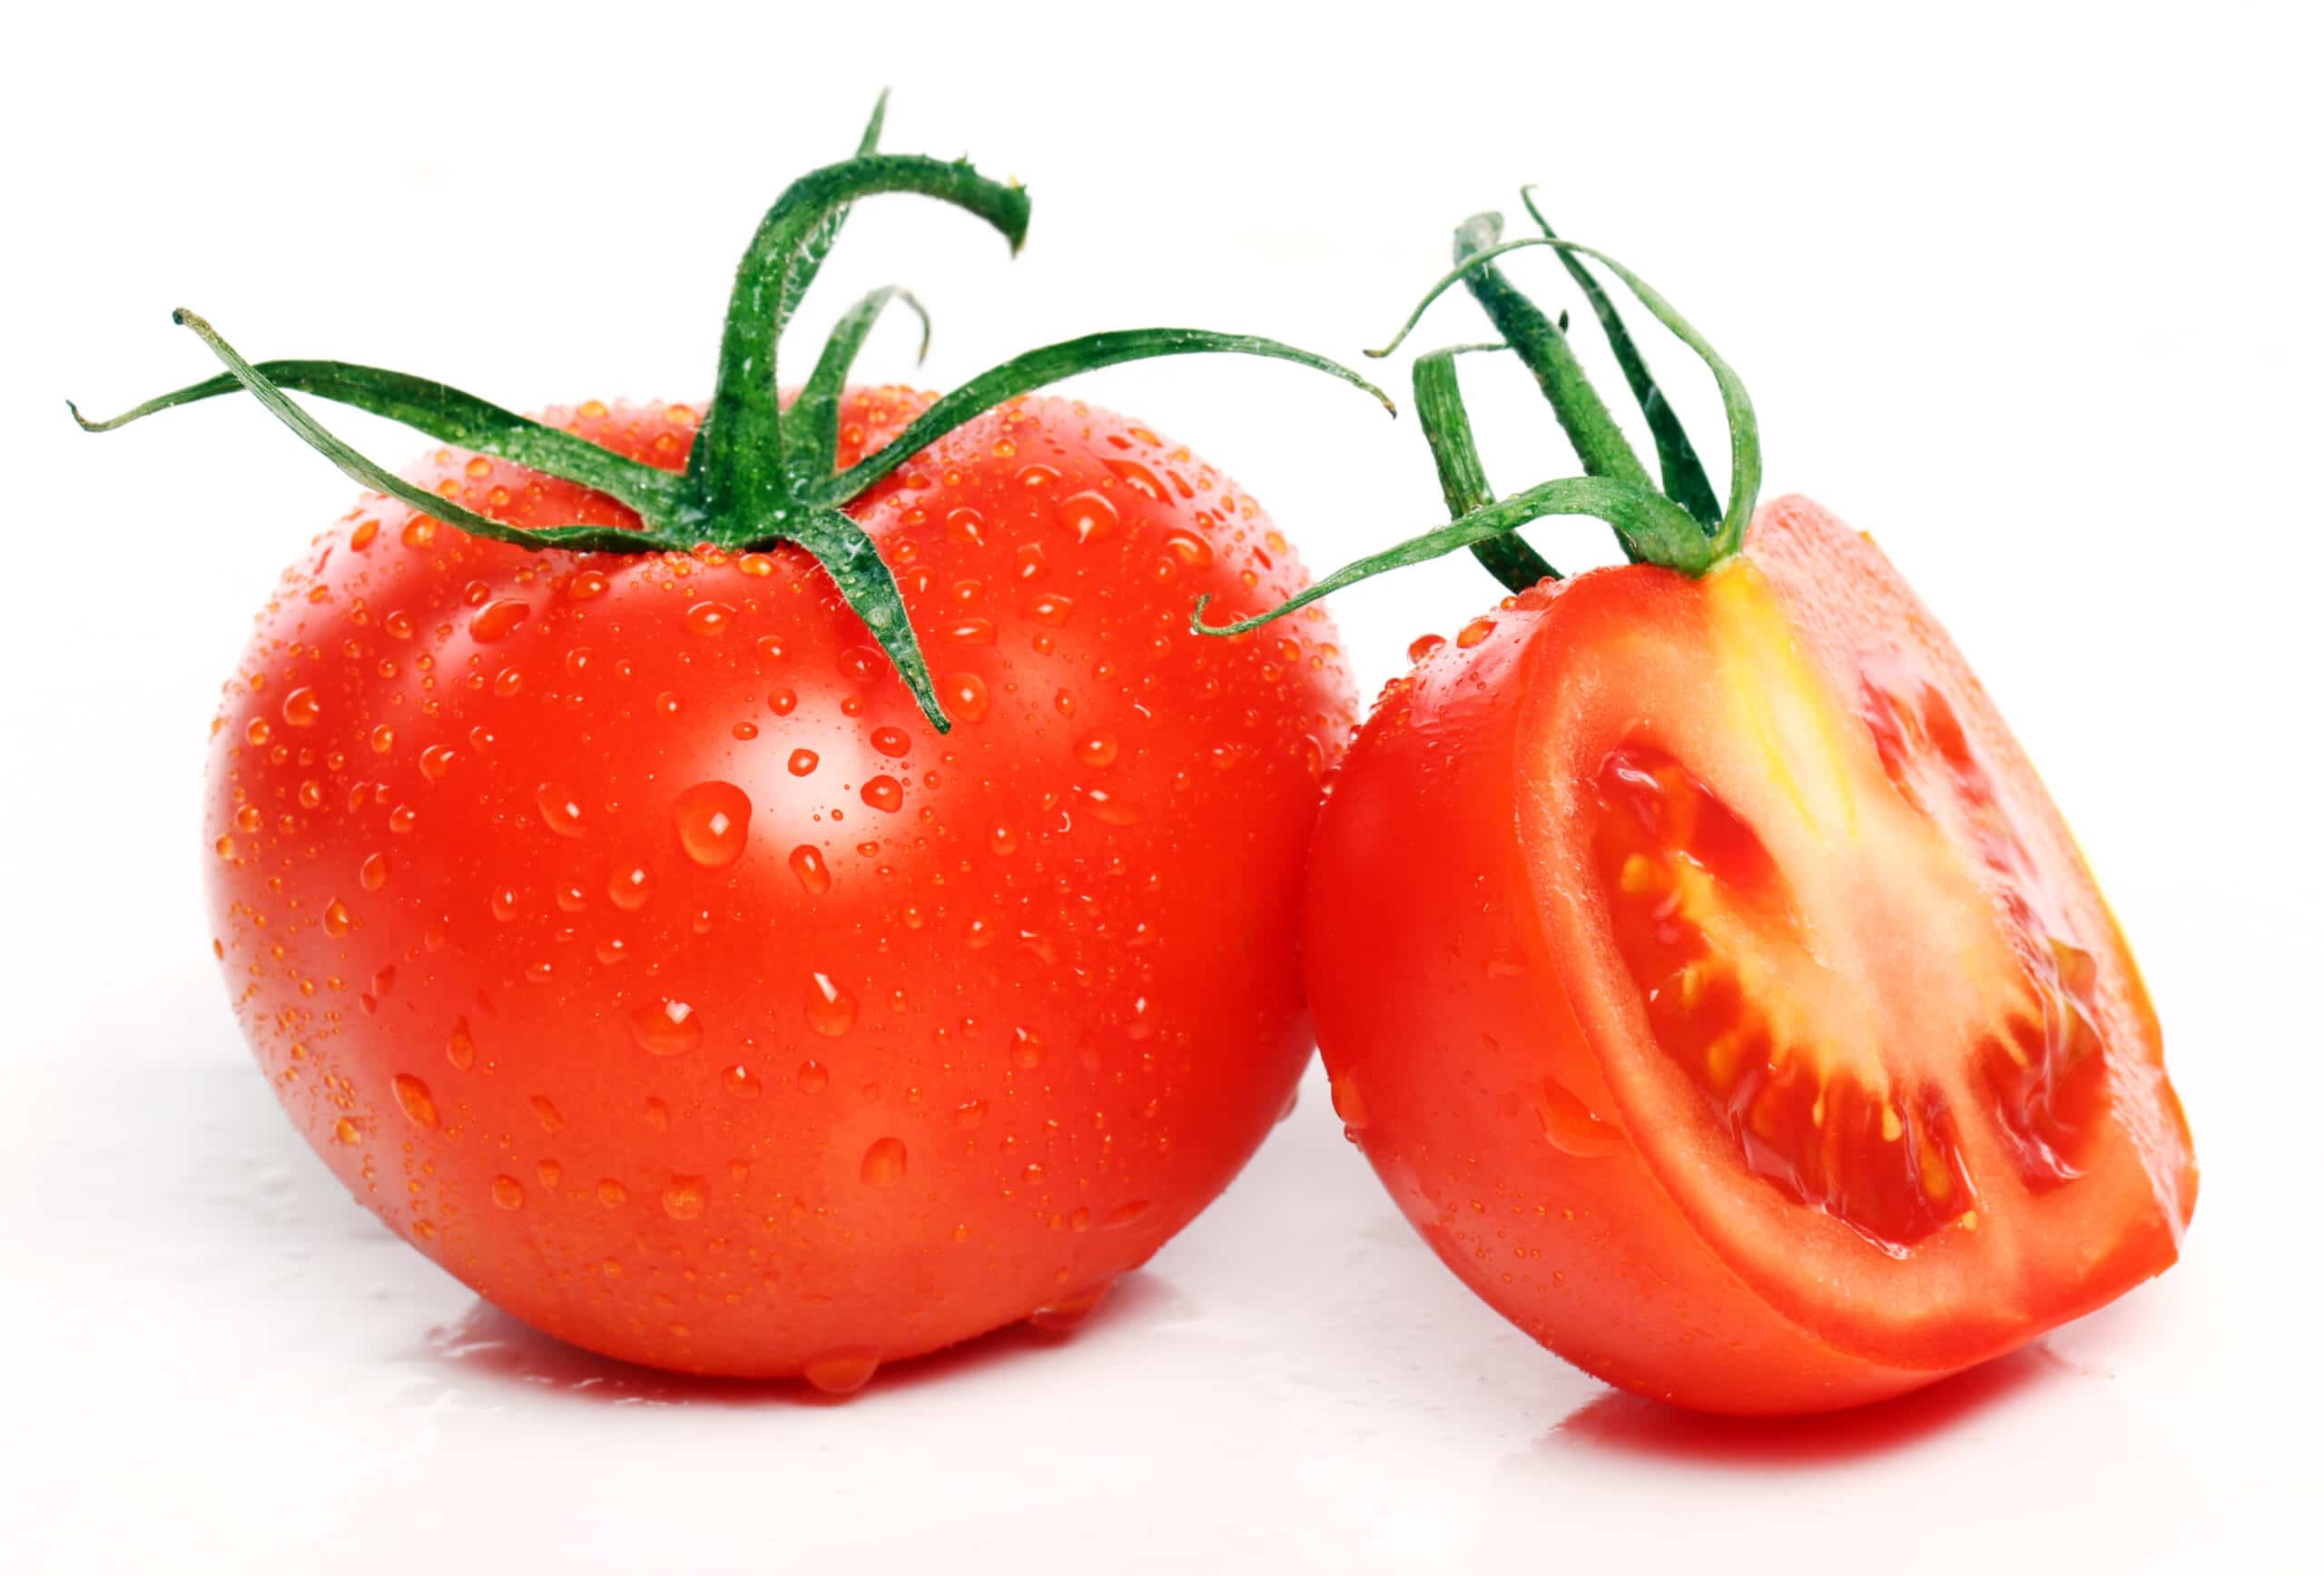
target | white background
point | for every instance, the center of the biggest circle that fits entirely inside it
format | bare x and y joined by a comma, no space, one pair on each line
2029,292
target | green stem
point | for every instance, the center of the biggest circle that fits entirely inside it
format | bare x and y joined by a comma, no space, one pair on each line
1039,368
1636,513
332,448
1654,528
1549,355
826,234
445,413
851,558
811,427
1742,421
1461,470
1682,472
736,465
752,480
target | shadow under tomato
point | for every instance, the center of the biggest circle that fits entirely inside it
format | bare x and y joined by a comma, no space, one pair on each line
1619,1420
487,1343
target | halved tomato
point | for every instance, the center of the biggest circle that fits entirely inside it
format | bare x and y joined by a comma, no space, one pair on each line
1713,982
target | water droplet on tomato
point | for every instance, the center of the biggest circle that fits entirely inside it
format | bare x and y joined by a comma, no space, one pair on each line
713,821
1089,515
1108,808
416,1102
612,1194
374,872
1190,547
560,809
1067,1313
884,793
1096,749
830,1011
1140,480
1347,1100
742,1082
685,1198
336,920
461,1048
496,620
883,1162
840,1372
709,618
1571,1126
508,1193
665,1028
803,762
965,698
629,887
807,864
892,742
301,707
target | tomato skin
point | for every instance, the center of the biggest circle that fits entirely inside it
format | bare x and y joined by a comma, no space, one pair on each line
898,1037
1467,1046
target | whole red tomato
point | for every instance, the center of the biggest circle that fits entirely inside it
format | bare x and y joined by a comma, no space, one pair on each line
1701,964
777,889
620,932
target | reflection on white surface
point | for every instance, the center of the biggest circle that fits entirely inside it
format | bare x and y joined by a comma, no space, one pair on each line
485,1347
269,1380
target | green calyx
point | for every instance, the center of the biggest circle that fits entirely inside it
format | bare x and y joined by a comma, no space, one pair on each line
1678,524
761,472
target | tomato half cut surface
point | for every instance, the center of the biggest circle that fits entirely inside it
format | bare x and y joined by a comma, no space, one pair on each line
1707,971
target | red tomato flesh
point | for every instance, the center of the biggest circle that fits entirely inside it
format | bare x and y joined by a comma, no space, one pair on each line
1708,975
620,933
